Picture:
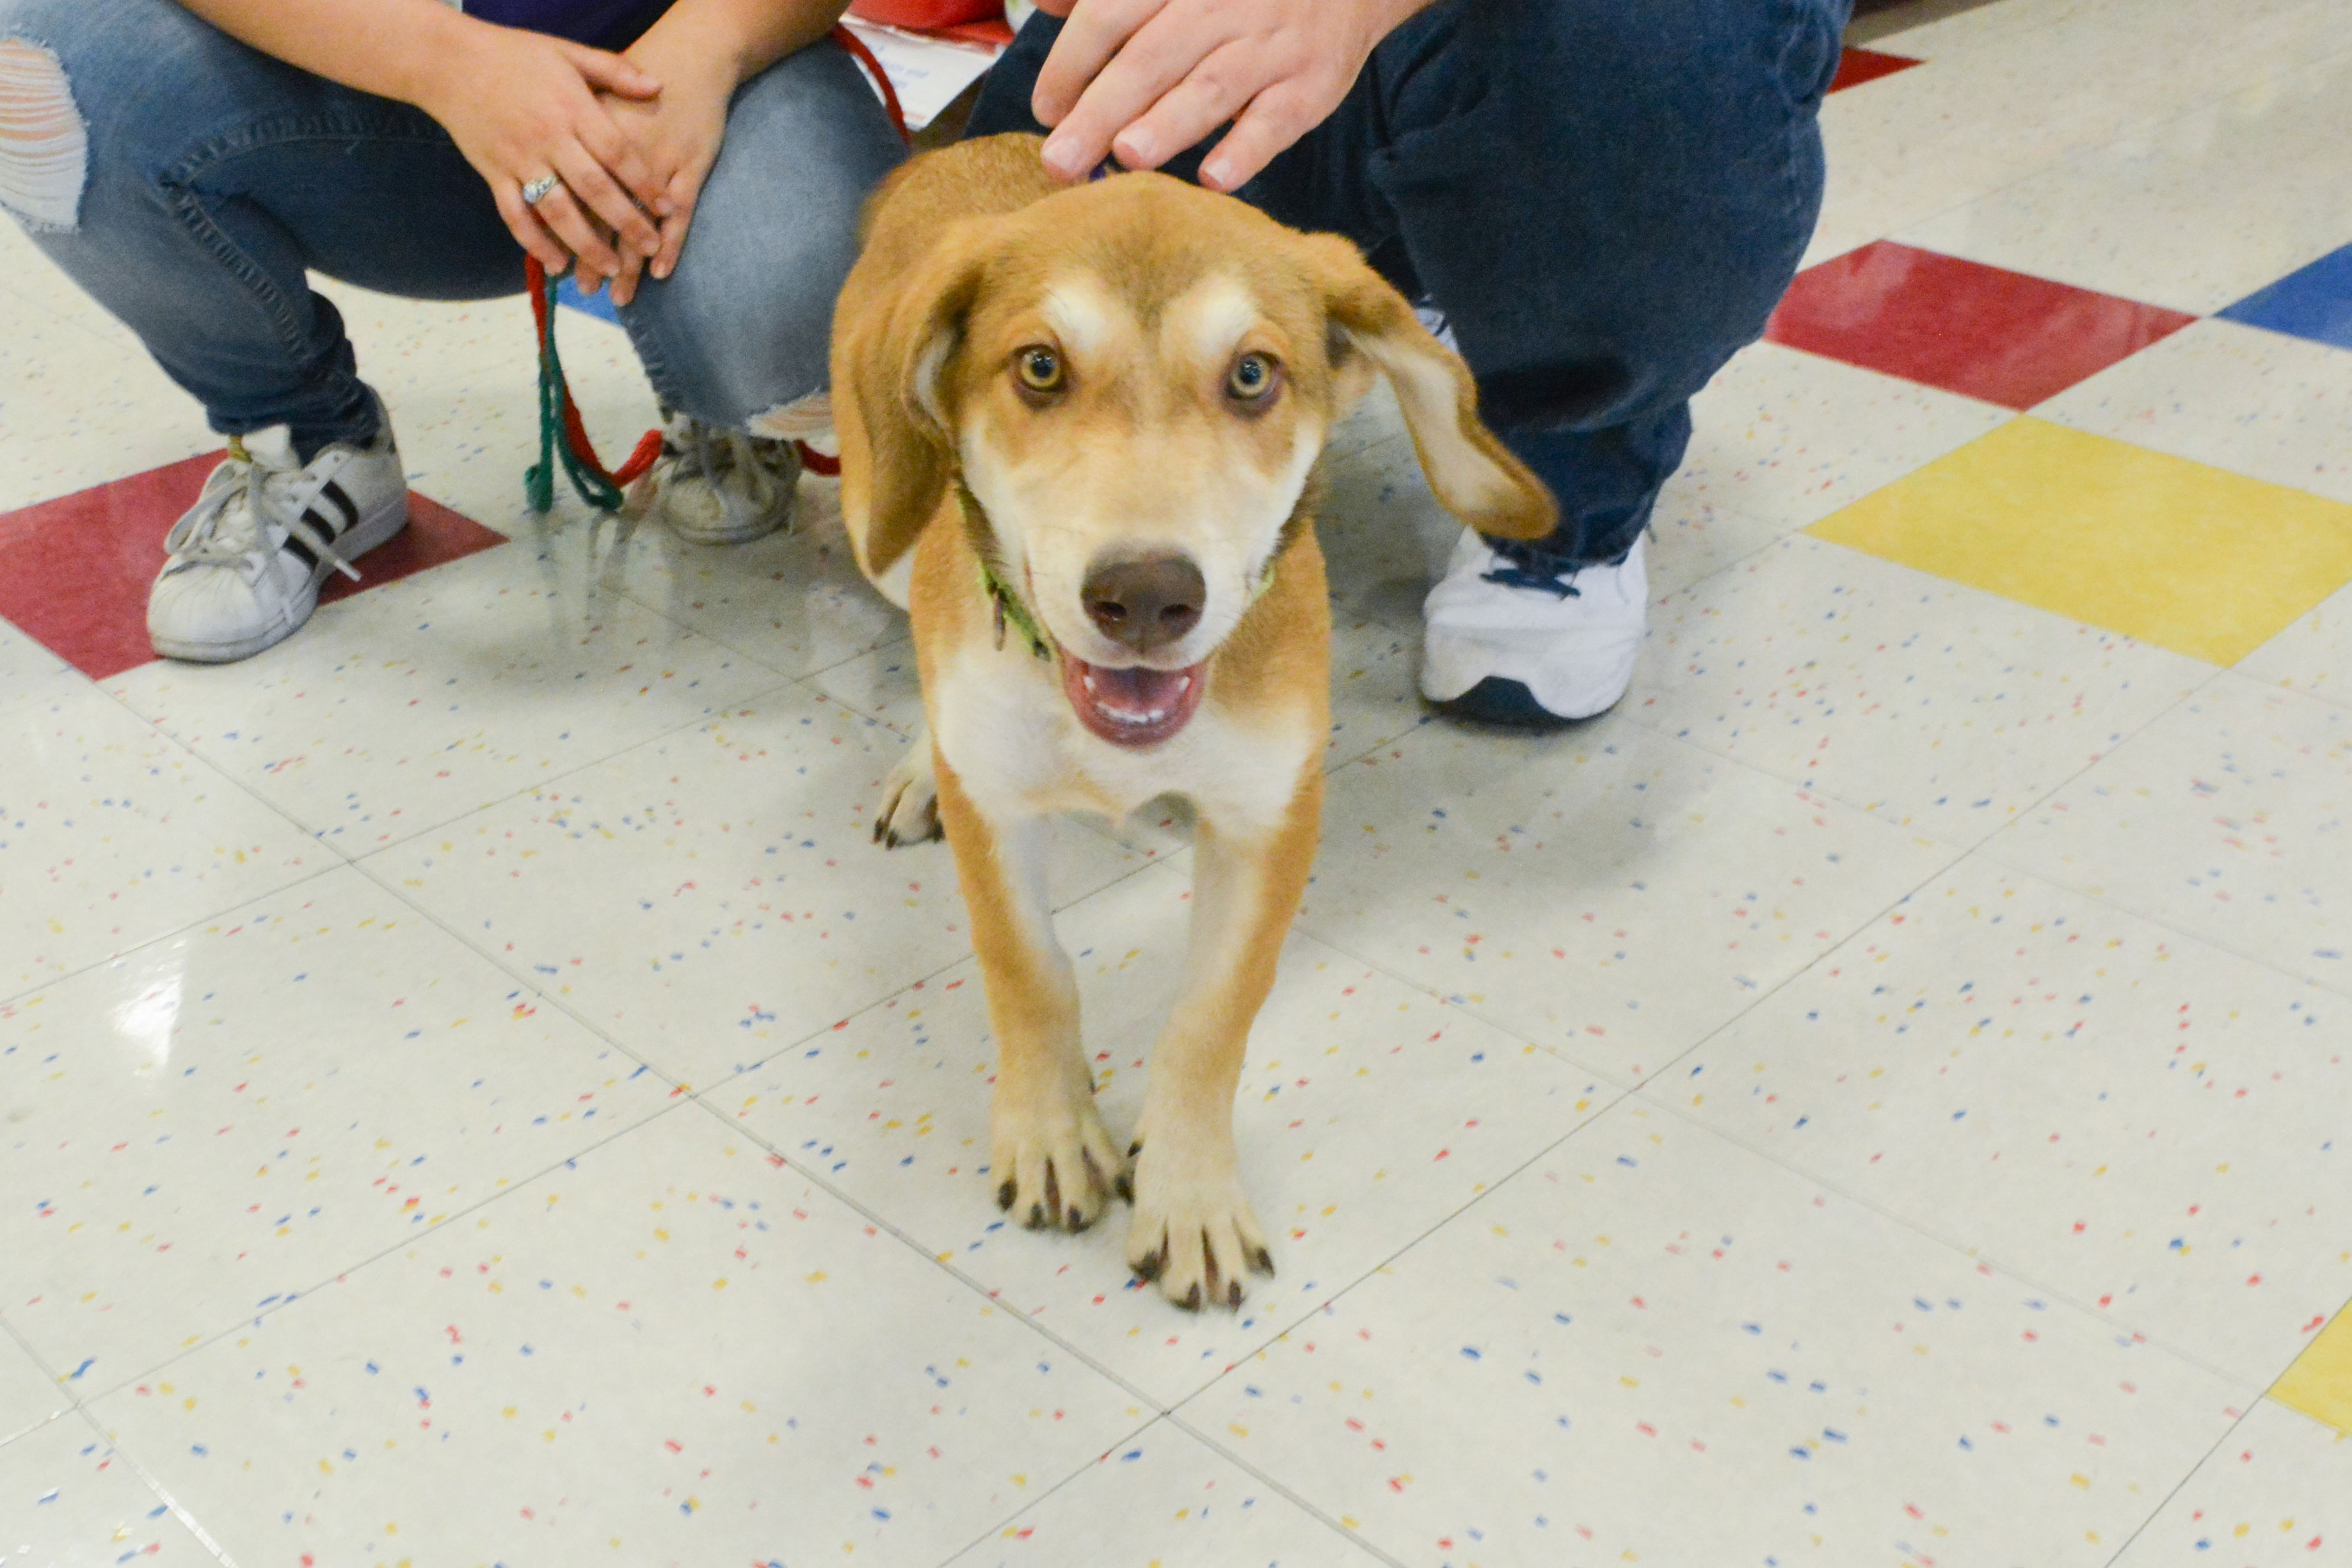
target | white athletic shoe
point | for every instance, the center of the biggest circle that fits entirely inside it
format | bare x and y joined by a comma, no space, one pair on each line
722,487
246,560
1510,645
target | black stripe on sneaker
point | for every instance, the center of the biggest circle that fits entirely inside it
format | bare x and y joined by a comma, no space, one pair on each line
294,547
336,493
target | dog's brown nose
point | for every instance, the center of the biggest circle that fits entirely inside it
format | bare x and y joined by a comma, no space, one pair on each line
1145,603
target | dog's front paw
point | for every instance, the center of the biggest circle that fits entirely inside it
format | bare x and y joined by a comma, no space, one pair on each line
1054,1166
909,810
1193,1232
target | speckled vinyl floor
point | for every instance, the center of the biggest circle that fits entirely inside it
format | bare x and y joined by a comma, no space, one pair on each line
471,1094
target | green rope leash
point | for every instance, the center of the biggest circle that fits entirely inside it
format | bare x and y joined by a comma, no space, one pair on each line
560,432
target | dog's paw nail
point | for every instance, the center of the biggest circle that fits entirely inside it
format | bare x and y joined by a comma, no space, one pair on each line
1193,1298
1233,1296
1077,1220
1124,1187
1036,1220
1135,1148
1262,1263
1005,1194
1149,1265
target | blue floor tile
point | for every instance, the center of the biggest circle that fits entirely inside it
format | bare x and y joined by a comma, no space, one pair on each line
599,304
2314,302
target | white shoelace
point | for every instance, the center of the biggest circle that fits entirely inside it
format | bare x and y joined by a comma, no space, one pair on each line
219,532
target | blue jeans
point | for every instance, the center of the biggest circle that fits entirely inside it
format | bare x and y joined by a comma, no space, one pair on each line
216,175
1606,198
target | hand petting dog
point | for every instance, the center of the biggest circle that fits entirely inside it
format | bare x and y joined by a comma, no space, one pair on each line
1144,80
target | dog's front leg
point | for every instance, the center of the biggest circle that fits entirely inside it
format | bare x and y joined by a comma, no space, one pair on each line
1053,1162
1193,1229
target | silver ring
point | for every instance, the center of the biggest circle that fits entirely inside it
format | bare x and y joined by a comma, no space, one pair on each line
535,192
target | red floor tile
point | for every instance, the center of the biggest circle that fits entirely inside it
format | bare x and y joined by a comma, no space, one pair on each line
74,572
1858,65
1962,326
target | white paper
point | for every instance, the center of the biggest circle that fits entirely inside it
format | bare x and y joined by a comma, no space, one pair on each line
927,72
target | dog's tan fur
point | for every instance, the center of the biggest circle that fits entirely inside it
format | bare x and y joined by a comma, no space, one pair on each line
1149,291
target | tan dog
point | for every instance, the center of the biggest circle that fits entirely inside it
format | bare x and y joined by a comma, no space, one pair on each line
1091,417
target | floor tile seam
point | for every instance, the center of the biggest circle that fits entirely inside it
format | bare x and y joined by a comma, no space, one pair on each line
2165,1500
1423,719
199,759
1297,1498
2140,444
718,712
1784,531
2124,133
889,1227
1461,1003
646,604
1765,994
903,638
813,681
2009,860
820,1031
531,983
39,1425
11,1335
250,791
2213,673
1383,1265
2340,698
995,1532
204,1340
1272,1330
180,1510
2012,862
16,999
2104,1319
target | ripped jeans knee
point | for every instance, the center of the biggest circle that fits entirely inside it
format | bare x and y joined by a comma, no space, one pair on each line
44,145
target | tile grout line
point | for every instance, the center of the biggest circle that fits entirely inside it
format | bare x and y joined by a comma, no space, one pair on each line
1763,994
2203,1460
2114,1323
2136,128
997,1529
1976,1259
253,1320
2221,673
180,1510
19,997
1274,1333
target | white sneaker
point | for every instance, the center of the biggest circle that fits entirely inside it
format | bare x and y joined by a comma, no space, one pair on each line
722,487
1510,646
246,560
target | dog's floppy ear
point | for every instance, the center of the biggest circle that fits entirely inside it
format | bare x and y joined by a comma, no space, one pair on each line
1471,473
898,454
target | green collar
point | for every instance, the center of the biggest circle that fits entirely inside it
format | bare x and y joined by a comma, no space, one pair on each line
1009,610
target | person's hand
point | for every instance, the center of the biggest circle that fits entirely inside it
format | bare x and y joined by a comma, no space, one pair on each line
1147,79
676,138
521,105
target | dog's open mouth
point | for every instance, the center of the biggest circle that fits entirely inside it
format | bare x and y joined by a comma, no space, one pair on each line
1131,707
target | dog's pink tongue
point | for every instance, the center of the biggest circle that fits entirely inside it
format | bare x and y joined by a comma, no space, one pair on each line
1135,693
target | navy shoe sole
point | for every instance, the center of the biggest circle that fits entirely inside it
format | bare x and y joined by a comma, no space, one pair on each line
1507,704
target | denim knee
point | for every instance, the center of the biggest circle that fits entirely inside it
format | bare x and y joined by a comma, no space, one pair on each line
744,325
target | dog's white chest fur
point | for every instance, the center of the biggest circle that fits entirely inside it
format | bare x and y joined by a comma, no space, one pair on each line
1012,741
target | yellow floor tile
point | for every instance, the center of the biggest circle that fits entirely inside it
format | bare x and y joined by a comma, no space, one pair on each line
2205,563
2319,1384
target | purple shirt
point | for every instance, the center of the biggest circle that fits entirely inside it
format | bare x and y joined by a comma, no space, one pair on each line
607,24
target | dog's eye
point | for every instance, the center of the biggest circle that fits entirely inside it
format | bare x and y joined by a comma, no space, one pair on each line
1039,367
1252,378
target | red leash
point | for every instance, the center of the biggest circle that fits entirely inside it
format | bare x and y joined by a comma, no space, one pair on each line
559,412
